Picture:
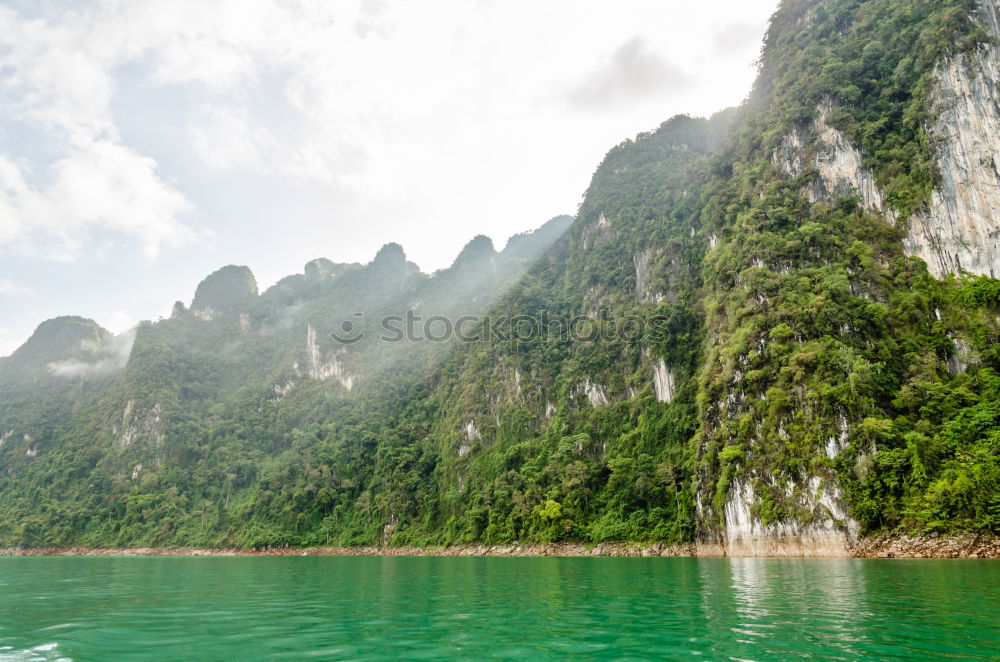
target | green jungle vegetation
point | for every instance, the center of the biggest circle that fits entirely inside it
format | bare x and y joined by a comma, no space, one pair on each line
781,323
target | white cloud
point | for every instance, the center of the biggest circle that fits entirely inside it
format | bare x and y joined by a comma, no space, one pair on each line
226,137
104,359
58,75
367,82
120,322
54,73
99,185
635,72
288,129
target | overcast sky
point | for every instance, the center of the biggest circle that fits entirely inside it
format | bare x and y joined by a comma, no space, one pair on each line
144,143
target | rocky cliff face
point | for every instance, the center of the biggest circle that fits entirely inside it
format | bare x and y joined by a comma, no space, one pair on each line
830,533
961,232
323,366
961,229
839,164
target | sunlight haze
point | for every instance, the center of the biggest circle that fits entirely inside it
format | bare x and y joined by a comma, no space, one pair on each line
145,144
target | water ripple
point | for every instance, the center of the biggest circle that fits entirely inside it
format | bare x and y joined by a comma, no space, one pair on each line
506,609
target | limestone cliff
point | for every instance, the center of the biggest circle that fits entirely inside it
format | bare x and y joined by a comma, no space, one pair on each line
961,232
961,229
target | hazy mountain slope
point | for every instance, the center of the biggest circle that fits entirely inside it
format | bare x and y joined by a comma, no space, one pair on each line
809,380
147,437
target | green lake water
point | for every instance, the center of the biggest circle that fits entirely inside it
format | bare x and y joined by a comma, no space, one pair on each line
499,608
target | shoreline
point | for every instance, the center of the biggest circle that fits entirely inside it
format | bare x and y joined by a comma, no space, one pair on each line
881,547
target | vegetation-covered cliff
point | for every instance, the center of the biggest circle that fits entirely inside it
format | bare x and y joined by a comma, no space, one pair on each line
813,276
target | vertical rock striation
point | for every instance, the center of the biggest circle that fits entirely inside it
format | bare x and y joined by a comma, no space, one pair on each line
830,533
961,232
961,229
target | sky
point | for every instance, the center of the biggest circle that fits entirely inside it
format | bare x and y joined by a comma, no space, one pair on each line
144,144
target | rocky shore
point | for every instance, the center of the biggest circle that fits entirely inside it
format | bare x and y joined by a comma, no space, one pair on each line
928,547
556,549
884,546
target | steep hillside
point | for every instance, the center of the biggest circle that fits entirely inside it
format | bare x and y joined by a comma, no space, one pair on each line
770,332
820,357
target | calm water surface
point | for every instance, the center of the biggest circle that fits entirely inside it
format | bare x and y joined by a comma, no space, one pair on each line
474,608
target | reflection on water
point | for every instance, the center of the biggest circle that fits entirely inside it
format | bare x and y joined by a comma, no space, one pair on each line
462,608
825,599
